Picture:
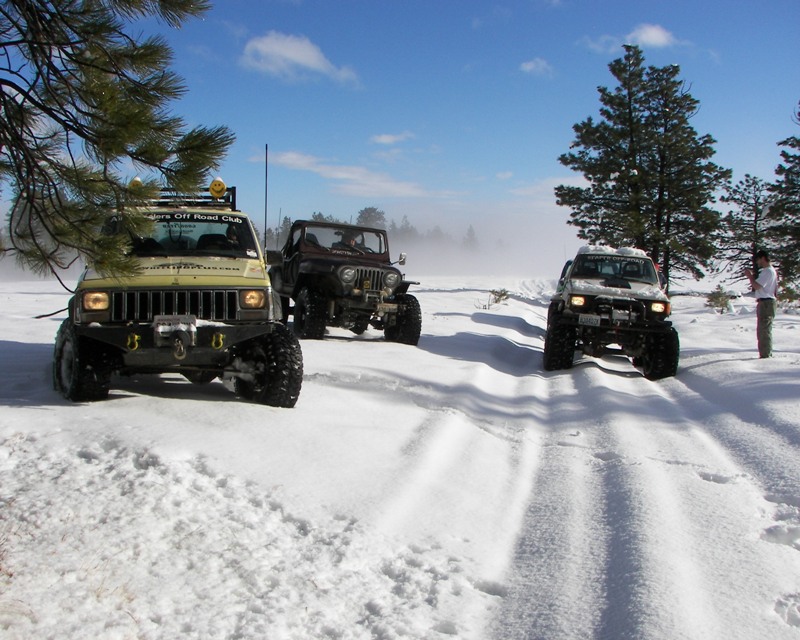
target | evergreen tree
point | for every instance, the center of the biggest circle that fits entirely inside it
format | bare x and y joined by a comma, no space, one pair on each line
746,228
82,102
786,212
470,240
371,217
649,173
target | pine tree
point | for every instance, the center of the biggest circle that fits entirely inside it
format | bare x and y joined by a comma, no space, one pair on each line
371,217
82,103
746,228
786,212
649,173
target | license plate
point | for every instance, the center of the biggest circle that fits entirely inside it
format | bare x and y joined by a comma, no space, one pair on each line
385,307
588,320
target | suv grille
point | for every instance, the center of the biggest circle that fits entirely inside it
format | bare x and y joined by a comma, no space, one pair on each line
205,304
375,277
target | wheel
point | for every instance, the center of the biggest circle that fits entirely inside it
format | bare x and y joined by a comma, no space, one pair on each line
309,314
361,325
408,323
274,365
200,377
559,347
78,374
660,360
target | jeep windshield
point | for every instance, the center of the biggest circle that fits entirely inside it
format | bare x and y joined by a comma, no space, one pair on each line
187,233
614,267
344,240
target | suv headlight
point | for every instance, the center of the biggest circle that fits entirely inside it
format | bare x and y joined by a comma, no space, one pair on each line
660,307
95,301
252,299
577,301
347,275
391,279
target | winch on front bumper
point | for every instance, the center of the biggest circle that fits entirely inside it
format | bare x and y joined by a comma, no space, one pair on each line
172,341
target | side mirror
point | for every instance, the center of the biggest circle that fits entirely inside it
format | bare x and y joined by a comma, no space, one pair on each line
402,259
274,257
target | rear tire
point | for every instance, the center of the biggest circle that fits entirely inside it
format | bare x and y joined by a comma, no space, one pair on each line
79,374
200,377
310,315
361,325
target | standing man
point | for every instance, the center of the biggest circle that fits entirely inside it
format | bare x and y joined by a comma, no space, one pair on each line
765,286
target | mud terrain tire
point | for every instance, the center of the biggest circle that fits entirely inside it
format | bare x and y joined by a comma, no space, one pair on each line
309,315
660,360
408,326
276,362
78,375
559,347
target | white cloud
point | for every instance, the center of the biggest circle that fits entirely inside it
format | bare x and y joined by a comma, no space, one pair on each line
291,58
504,175
537,67
643,35
651,35
350,180
391,138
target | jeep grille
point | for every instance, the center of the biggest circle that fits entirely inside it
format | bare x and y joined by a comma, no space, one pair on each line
205,304
375,277
617,308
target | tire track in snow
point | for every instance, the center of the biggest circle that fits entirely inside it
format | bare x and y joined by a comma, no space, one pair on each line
591,502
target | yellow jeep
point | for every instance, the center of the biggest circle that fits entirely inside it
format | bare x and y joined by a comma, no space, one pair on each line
200,304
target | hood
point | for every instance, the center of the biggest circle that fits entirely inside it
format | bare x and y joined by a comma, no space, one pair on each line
184,271
597,287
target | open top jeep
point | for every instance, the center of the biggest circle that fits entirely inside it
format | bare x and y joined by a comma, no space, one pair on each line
340,275
200,305
611,297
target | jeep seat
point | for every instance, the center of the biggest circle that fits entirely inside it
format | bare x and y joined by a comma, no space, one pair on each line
213,241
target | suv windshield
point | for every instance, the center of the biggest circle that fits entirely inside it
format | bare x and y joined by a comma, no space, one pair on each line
185,233
614,266
339,240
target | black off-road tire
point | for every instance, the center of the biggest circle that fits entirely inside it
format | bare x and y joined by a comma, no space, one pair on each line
276,365
408,324
559,347
361,325
310,315
660,359
79,374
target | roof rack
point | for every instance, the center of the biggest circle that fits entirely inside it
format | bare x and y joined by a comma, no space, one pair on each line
171,198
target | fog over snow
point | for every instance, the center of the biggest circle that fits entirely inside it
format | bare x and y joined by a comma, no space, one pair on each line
449,490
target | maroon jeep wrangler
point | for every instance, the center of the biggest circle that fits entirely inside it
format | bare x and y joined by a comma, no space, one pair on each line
340,275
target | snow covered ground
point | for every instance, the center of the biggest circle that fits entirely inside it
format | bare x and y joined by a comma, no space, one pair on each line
452,490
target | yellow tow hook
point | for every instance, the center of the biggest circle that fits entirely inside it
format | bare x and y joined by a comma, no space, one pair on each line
133,342
218,341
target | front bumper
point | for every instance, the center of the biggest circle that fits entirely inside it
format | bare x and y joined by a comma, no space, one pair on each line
148,346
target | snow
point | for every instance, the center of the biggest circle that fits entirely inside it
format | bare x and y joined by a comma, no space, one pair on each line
452,490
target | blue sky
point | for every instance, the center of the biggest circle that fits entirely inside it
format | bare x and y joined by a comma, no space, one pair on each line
455,112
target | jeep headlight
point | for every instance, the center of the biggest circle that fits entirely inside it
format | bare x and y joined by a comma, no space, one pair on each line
391,279
347,275
660,307
95,301
252,299
577,301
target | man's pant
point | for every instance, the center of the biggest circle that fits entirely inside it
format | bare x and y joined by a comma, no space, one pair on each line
765,312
